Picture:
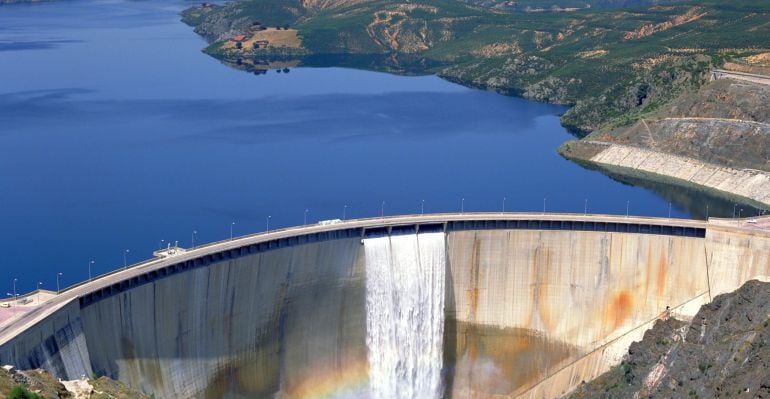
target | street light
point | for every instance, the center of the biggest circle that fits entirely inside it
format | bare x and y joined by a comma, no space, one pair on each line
267,228
544,198
504,198
344,212
306,211
734,206
669,209
160,244
91,263
57,283
382,209
627,203
707,212
39,283
740,211
14,288
585,207
231,230
422,207
192,238
462,205
125,261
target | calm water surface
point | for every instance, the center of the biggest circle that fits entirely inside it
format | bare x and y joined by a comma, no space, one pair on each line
117,133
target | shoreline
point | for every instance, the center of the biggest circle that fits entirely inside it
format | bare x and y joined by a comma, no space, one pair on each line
748,186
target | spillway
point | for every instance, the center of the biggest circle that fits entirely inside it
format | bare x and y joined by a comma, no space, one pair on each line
405,315
434,306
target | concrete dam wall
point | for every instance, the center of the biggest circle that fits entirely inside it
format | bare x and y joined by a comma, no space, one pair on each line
436,306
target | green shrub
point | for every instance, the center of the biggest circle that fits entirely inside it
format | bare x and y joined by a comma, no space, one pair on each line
19,392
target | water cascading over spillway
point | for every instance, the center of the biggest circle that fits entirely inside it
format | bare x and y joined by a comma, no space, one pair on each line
405,315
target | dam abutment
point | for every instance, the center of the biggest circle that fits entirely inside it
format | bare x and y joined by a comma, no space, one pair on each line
532,304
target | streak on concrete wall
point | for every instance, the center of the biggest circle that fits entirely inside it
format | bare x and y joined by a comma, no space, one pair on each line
56,344
735,257
747,183
581,289
274,321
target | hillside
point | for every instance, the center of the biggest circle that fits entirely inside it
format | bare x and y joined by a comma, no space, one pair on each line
725,123
723,352
612,64
41,384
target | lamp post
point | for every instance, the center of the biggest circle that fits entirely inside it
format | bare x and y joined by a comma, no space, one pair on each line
192,238
669,209
125,260
267,224
544,198
14,288
58,289
160,244
504,198
344,212
422,207
231,230
91,263
382,209
462,206
585,207
707,212
39,283
627,203
740,211
306,211
734,206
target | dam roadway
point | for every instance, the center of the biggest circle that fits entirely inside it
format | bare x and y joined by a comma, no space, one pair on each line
282,325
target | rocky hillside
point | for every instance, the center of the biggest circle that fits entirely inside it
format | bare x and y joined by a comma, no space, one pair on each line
723,353
612,64
724,122
40,384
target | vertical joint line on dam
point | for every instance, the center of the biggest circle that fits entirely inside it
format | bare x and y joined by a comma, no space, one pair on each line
708,266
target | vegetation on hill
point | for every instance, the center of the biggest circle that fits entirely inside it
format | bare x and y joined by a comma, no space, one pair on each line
726,122
39,384
613,65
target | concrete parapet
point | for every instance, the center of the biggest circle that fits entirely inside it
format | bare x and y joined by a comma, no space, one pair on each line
747,77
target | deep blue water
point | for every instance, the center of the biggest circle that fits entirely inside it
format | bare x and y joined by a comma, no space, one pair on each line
116,133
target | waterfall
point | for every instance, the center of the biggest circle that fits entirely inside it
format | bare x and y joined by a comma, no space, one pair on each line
405,315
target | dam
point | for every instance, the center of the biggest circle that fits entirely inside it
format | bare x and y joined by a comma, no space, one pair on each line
466,305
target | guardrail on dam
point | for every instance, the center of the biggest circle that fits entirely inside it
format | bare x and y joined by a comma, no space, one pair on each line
533,304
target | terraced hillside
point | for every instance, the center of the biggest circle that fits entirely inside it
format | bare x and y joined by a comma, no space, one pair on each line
725,123
612,64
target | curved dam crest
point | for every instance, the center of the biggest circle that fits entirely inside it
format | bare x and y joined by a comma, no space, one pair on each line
511,305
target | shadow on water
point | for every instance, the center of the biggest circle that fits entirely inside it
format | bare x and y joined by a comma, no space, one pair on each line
401,64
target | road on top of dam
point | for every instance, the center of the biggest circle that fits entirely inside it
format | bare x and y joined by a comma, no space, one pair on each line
12,326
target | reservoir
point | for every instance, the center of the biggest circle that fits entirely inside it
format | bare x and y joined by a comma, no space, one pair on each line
119,137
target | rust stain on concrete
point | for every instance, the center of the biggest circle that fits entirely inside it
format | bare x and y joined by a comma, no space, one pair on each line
502,362
620,308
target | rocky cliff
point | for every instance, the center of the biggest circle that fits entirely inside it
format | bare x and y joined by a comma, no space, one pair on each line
723,352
